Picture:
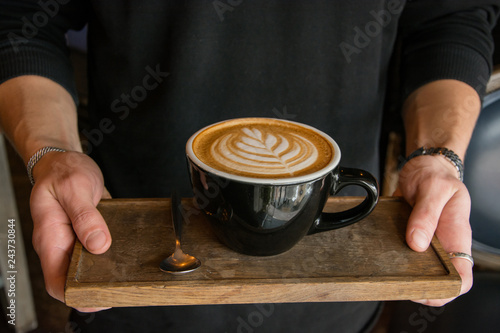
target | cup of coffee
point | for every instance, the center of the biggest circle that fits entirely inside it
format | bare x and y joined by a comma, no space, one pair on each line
263,183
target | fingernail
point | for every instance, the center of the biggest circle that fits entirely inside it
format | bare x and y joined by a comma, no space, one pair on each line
96,241
421,301
420,239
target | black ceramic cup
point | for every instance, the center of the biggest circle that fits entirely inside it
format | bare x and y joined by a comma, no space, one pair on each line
265,216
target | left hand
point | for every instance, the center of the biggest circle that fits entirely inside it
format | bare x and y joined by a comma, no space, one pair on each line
441,206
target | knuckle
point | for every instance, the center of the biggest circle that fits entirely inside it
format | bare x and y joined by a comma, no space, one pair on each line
429,216
71,179
72,172
82,217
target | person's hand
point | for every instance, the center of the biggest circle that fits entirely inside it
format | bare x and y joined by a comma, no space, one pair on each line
441,206
68,186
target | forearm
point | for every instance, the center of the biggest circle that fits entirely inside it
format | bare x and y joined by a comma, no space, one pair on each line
441,114
36,112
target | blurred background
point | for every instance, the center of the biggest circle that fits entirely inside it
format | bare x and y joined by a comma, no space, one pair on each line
477,311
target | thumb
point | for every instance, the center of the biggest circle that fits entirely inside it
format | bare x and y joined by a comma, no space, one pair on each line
424,219
88,224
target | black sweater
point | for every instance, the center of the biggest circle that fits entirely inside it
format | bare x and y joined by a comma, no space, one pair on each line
160,70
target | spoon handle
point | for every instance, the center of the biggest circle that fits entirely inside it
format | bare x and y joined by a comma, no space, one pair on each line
176,207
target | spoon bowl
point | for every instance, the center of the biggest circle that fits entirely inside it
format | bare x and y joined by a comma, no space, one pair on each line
179,262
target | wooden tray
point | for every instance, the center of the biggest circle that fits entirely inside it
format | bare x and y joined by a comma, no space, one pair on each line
365,261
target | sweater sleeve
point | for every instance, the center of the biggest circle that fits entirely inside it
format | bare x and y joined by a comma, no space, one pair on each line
33,39
447,40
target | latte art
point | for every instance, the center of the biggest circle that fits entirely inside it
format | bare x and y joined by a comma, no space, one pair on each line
263,148
253,151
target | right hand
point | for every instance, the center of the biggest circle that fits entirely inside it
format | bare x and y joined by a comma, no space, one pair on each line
68,186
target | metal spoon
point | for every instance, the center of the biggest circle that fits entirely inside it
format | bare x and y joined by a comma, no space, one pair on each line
179,262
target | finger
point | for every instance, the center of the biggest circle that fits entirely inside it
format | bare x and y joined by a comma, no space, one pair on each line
434,302
454,231
88,224
425,215
53,240
454,234
86,310
89,227
55,250
464,269
106,194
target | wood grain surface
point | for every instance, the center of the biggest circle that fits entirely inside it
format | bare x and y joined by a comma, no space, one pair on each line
365,261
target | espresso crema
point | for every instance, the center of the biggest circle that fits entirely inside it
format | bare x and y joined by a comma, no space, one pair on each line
263,148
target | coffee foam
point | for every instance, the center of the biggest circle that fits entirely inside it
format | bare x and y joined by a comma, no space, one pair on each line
263,148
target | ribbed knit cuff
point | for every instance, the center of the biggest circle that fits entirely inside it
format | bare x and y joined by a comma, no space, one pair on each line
37,58
454,62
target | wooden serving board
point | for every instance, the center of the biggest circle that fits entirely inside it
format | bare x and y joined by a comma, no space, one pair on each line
362,262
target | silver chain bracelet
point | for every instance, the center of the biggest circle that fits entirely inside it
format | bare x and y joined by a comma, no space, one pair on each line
36,157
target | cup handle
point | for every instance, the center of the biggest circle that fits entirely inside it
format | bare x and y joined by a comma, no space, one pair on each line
343,177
